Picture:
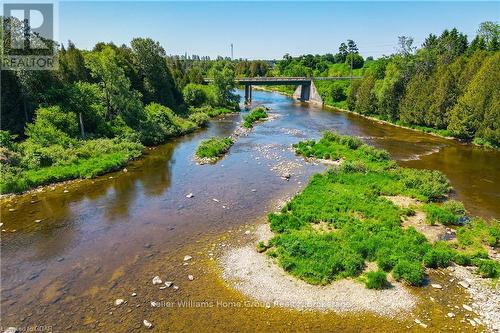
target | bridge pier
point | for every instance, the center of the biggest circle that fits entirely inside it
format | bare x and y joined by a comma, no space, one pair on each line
248,93
307,92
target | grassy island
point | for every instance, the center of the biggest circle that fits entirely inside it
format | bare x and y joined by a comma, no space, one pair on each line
345,218
213,148
255,115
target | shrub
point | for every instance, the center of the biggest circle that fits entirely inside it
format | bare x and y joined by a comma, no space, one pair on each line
161,123
479,232
410,272
212,112
376,280
337,93
408,211
7,140
214,147
254,115
439,256
385,259
488,268
261,247
53,126
195,94
462,259
425,185
449,213
200,119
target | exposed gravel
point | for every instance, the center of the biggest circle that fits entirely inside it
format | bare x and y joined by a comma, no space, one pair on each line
255,275
486,298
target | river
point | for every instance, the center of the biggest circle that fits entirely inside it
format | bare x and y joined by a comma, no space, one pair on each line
106,238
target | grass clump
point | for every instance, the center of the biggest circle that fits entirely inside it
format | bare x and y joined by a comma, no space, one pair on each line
261,247
488,268
477,233
376,280
214,147
449,213
440,255
256,114
410,272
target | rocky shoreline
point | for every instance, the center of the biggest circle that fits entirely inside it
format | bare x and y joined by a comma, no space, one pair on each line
256,276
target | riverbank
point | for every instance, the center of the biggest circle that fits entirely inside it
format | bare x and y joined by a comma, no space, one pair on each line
420,129
87,159
258,277
360,217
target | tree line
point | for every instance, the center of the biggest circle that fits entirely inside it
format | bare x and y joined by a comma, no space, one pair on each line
102,105
448,85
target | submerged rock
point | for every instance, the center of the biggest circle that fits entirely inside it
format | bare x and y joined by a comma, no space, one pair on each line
11,330
467,307
147,324
119,301
464,284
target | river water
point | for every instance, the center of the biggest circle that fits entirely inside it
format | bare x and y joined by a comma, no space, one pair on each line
106,238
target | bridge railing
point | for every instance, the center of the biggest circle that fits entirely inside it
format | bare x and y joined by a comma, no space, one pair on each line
290,79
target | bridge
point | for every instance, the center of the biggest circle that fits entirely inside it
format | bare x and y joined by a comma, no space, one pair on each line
306,90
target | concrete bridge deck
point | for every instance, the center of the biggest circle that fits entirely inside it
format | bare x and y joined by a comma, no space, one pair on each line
306,91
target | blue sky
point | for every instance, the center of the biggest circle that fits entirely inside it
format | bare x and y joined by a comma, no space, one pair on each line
267,30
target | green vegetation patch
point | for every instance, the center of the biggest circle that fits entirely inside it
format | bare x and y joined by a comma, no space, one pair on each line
365,225
211,111
214,147
376,280
449,213
44,165
256,114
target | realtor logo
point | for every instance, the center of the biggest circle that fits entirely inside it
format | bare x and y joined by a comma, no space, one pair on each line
28,36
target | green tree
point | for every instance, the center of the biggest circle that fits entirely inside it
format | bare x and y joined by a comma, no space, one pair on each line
119,99
416,101
159,85
53,126
389,92
72,65
477,111
224,84
194,95
365,97
490,33
443,98
357,60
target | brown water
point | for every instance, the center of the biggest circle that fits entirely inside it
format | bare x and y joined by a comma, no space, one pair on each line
108,237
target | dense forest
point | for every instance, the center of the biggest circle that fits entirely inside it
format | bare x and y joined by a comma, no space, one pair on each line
98,109
449,85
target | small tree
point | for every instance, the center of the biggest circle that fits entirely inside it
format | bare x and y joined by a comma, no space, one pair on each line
194,95
224,84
